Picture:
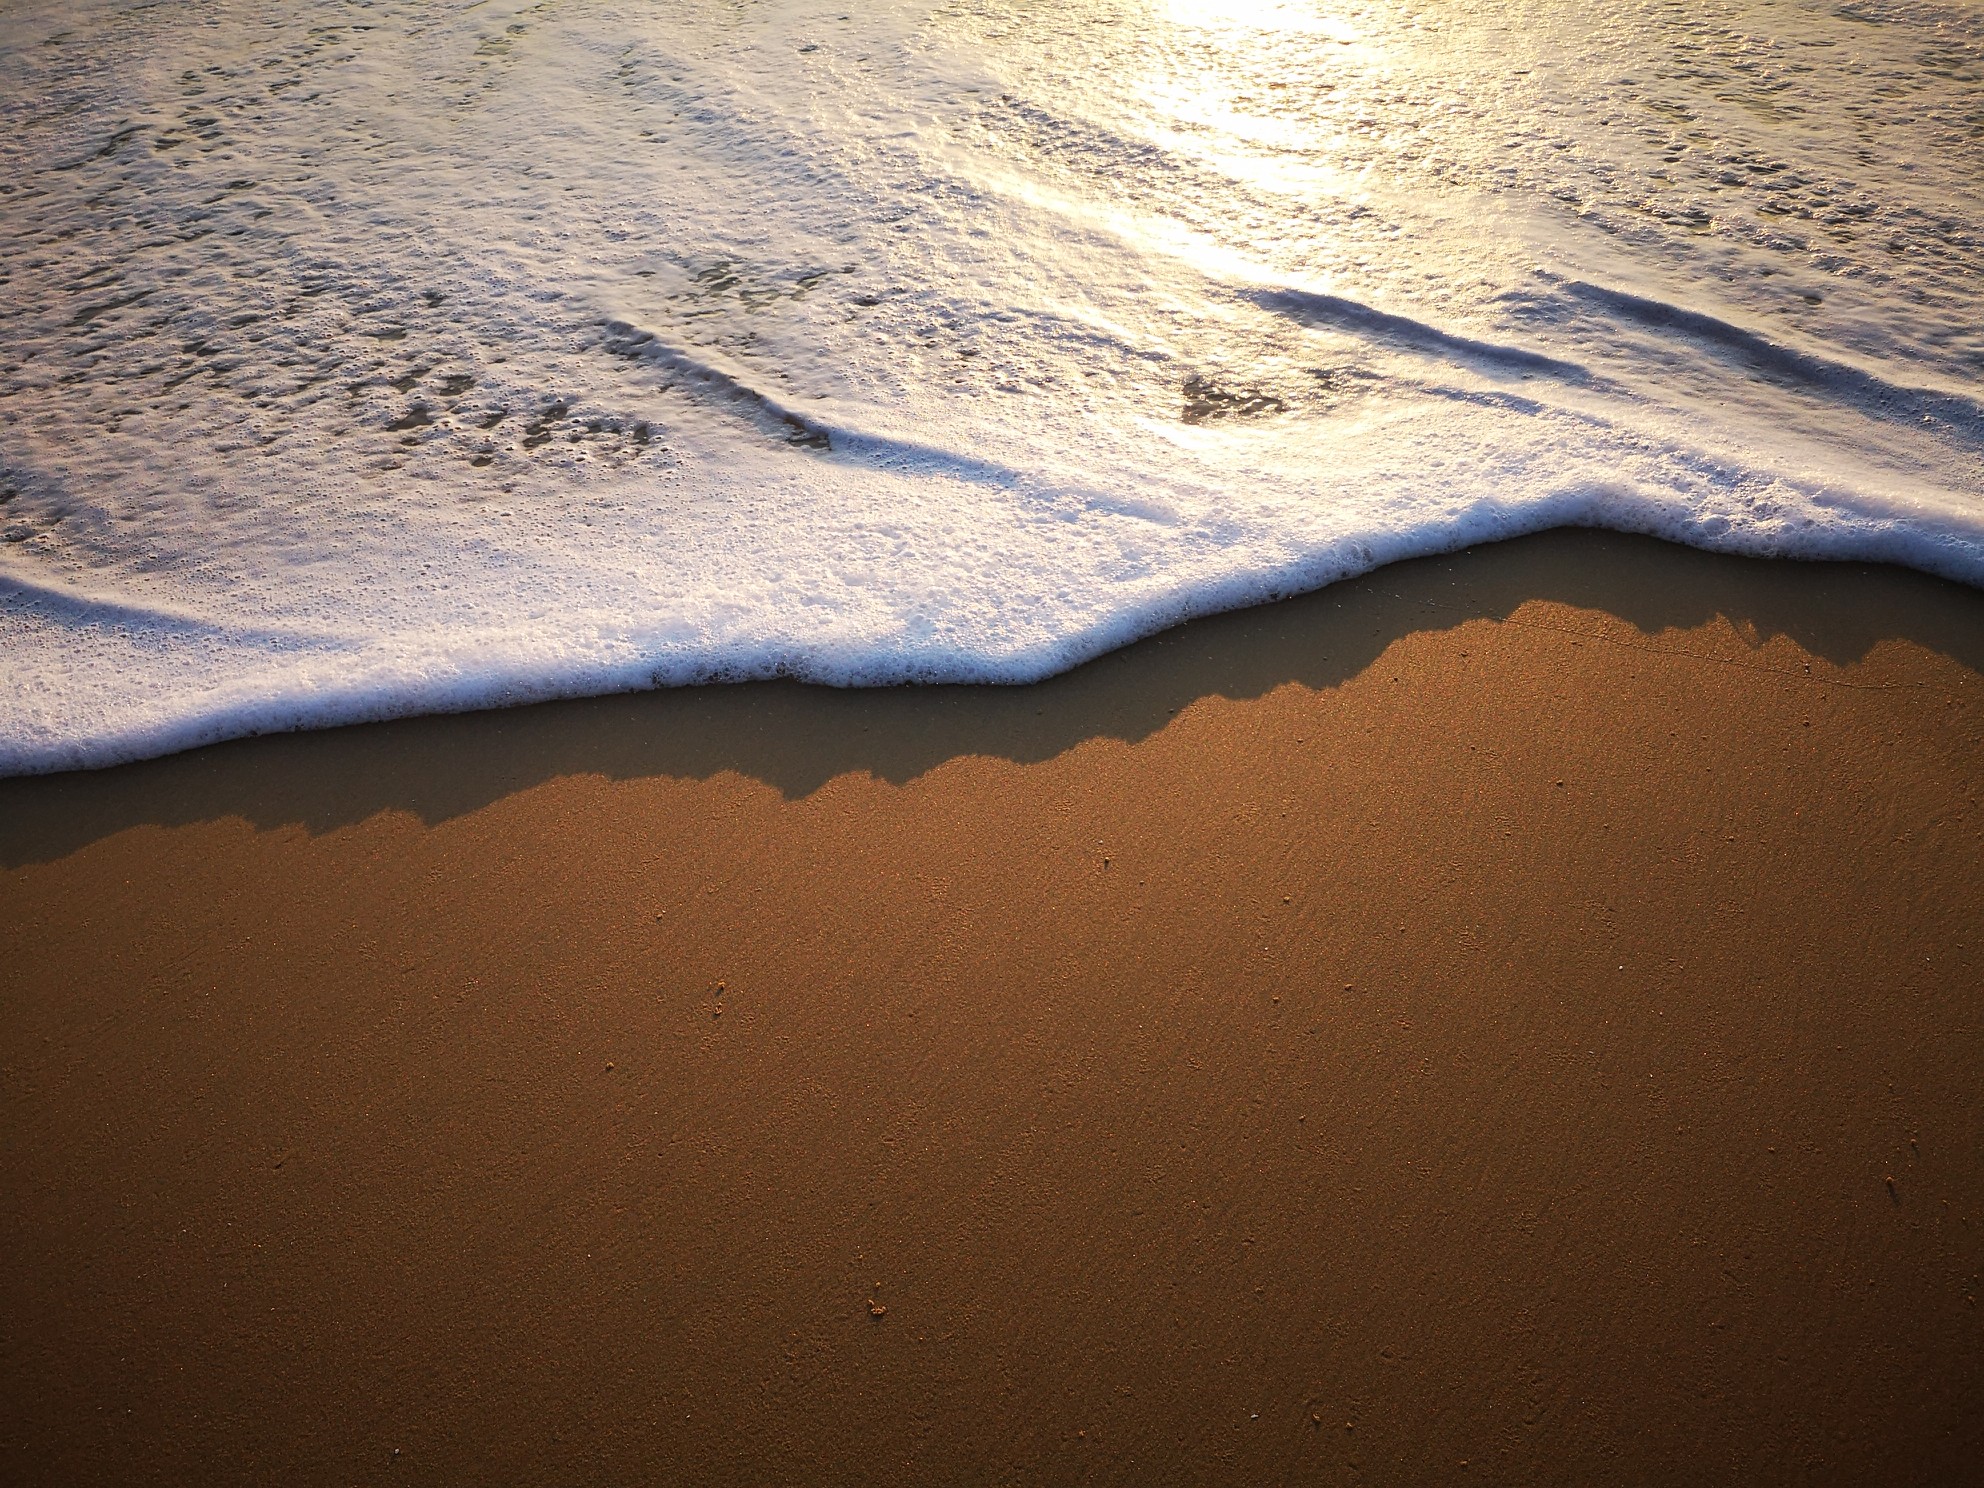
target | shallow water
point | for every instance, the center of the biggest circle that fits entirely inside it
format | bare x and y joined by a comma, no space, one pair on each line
375,359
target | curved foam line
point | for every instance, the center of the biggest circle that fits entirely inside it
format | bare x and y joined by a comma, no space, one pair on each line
636,344
1965,416
257,705
1313,308
67,607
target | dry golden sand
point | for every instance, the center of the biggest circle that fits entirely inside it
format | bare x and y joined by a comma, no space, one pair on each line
1514,1016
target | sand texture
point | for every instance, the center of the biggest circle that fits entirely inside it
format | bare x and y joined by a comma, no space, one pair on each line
1515,1015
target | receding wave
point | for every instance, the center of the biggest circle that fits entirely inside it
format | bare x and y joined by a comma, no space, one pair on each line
444,357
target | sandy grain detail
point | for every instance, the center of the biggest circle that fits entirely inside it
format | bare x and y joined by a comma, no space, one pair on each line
1516,1013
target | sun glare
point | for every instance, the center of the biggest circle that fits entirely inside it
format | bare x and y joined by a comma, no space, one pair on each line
1255,15
1223,88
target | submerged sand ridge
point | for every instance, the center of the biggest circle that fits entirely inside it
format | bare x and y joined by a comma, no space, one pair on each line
1517,1010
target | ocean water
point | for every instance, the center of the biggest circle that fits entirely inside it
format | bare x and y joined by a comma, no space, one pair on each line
374,358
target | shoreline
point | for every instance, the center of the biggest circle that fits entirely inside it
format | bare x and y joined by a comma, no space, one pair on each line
1642,587
1517,1009
632,679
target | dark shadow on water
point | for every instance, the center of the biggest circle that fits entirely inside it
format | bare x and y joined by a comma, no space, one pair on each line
796,738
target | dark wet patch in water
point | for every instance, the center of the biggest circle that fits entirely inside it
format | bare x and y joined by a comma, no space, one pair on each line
1206,400
538,430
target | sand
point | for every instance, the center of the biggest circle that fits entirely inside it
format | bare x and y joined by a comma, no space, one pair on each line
1514,1016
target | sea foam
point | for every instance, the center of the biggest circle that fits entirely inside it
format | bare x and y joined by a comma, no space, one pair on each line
401,357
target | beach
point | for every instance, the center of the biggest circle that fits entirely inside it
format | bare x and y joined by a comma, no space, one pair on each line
1514,1015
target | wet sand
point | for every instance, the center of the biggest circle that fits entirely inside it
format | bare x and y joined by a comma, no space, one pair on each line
1516,1015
